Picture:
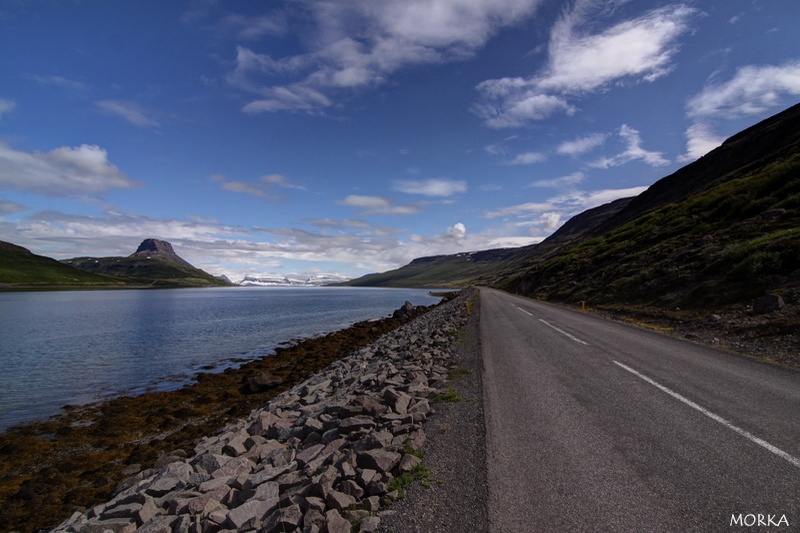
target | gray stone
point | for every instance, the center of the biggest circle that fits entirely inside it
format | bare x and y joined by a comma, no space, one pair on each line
312,518
236,446
372,504
164,485
284,520
339,500
235,467
117,525
131,469
212,462
268,474
148,511
408,462
309,454
421,407
348,425
266,491
768,304
122,511
263,381
250,514
336,523
351,488
369,524
159,524
380,460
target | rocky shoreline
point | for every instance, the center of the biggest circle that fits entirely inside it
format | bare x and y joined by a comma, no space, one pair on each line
329,454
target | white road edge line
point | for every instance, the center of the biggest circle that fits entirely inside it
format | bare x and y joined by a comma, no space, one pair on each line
764,444
576,339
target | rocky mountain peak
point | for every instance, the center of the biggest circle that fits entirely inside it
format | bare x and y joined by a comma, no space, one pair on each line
151,246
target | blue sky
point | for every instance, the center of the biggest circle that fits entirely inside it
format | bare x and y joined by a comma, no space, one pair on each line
351,136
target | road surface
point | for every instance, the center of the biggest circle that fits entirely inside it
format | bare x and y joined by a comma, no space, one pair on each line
597,426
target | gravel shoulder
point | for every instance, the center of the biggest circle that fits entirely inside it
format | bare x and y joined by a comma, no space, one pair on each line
455,494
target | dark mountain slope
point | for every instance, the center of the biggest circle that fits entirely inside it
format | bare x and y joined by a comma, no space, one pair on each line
22,269
479,267
772,139
154,263
723,246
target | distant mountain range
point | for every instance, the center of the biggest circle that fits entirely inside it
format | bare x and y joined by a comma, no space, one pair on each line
718,232
154,264
284,281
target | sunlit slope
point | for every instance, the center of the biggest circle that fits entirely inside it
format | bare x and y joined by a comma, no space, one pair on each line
19,268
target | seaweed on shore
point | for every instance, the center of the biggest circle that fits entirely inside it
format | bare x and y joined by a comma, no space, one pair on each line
73,461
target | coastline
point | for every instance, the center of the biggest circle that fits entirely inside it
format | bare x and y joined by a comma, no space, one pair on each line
52,468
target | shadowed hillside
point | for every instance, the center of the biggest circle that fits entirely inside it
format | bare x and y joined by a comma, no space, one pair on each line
719,232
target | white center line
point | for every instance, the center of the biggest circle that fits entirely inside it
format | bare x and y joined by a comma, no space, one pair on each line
576,339
764,444
524,311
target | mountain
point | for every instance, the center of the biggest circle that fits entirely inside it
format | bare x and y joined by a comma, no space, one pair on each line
153,264
468,268
318,280
718,232
22,269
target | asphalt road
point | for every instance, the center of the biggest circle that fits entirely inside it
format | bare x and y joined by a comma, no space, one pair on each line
596,426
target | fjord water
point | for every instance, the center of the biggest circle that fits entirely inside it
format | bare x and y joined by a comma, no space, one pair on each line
74,347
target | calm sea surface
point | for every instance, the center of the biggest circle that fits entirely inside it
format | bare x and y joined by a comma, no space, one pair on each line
74,347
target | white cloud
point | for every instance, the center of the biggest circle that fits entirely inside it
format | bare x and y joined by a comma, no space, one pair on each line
71,86
632,152
636,50
378,205
64,171
254,28
456,232
261,188
361,43
582,200
527,158
752,90
290,98
542,218
581,145
432,187
130,111
7,207
6,106
700,139
639,49
280,181
521,209
564,181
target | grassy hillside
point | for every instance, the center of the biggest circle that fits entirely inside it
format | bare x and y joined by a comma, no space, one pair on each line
19,268
22,270
154,272
723,246
717,233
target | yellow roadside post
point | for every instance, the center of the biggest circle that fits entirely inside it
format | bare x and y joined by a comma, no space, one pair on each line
583,307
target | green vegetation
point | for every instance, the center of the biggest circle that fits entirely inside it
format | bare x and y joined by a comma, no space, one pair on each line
418,472
450,396
712,236
22,270
19,268
725,245
456,373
